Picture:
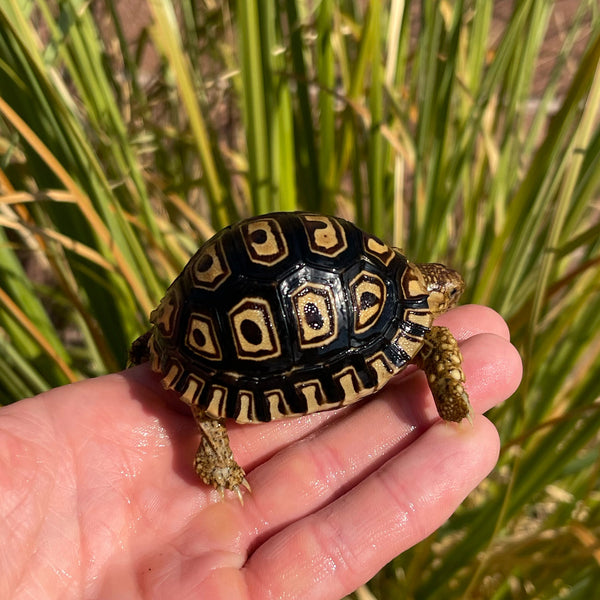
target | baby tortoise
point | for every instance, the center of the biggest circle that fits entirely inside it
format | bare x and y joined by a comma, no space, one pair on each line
288,314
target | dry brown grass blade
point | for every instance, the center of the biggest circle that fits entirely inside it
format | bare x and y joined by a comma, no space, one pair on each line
96,223
28,325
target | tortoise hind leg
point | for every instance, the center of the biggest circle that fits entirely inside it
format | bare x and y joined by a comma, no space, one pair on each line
441,360
214,462
139,352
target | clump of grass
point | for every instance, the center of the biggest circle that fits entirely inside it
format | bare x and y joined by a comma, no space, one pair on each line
422,122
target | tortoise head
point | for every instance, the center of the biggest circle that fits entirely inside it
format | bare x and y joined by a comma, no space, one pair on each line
444,286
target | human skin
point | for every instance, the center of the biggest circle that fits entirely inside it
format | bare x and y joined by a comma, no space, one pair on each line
98,498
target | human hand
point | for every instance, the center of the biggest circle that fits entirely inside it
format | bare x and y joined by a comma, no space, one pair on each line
98,498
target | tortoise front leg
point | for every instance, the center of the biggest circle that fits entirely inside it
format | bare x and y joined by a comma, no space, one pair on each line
441,360
214,462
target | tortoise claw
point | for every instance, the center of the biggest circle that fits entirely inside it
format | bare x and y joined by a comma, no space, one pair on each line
238,490
470,414
239,494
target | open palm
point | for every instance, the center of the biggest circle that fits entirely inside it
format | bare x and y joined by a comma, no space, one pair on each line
98,498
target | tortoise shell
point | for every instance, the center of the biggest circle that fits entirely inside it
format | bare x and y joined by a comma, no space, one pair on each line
287,314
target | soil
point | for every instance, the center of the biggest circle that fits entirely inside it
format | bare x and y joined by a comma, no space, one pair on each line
136,17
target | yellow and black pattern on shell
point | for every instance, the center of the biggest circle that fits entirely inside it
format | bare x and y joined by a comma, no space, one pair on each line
264,241
351,385
276,405
315,314
368,296
382,368
254,331
164,316
313,393
375,247
326,236
287,314
209,268
201,337
216,400
412,283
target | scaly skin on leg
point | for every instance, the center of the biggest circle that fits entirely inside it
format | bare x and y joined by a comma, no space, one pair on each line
139,351
214,462
441,360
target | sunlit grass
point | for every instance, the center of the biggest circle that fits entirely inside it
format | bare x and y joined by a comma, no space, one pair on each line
420,122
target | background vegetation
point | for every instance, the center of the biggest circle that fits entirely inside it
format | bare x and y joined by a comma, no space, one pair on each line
427,123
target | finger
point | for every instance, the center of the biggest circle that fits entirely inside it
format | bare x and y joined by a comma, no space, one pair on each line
316,470
255,444
333,551
464,321
473,319
493,370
